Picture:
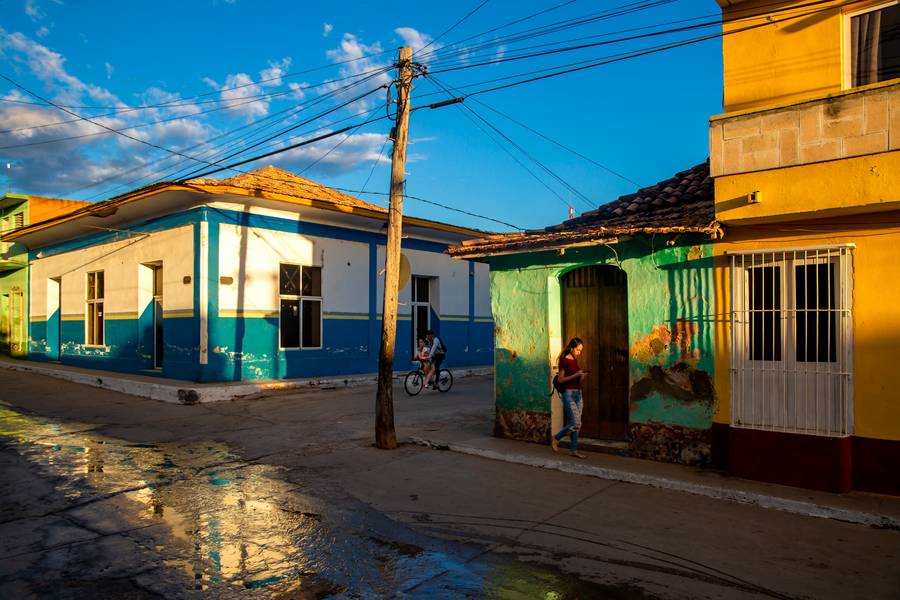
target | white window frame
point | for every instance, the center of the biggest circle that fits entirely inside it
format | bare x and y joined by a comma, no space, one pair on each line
88,302
847,50
791,395
300,298
414,304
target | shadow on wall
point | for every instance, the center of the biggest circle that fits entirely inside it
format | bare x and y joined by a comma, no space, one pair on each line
523,397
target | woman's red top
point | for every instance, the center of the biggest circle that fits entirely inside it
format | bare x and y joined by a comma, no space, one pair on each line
569,366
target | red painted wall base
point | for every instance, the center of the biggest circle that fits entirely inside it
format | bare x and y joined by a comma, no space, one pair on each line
834,464
808,461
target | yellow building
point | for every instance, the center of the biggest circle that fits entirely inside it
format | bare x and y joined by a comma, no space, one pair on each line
806,161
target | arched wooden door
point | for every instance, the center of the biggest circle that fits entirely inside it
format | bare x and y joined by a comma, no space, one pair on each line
595,309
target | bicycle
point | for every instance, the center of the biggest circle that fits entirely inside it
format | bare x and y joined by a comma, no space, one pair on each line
415,381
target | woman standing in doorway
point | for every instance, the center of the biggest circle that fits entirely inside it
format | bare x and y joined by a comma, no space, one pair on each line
569,377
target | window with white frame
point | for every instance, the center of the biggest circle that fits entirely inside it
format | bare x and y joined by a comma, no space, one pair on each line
873,44
300,294
791,340
94,312
421,309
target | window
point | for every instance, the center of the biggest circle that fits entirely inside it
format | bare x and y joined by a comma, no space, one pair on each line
790,340
874,44
300,294
421,309
20,220
94,311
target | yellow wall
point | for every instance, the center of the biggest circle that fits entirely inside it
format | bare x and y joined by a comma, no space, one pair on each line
791,60
876,311
868,183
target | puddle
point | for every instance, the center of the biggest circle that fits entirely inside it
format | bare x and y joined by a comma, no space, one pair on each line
238,529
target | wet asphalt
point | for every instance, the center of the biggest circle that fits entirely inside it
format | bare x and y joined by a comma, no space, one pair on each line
108,496
84,514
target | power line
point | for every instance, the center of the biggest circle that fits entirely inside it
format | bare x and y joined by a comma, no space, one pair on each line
180,101
297,126
515,22
589,64
518,147
455,25
561,145
376,161
552,28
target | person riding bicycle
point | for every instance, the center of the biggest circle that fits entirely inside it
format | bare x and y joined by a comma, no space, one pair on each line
423,355
437,352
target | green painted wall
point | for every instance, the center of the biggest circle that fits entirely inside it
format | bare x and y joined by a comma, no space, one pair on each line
670,308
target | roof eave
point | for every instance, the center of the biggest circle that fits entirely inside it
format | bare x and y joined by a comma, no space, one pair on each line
324,204
562,241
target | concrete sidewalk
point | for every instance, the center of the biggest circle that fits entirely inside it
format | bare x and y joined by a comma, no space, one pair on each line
188,392
874,510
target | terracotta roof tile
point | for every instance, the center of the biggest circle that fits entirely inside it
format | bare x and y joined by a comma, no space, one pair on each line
278,181
684,202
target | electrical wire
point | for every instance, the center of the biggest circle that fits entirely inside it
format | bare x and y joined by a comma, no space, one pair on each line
180,101
518,147
560,144
376,161
454,26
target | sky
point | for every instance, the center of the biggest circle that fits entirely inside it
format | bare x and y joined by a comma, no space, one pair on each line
197,83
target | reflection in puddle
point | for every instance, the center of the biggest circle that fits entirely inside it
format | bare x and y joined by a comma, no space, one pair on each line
236,527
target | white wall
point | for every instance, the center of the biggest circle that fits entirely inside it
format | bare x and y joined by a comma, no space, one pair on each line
452,294
482,290
345,268
120,261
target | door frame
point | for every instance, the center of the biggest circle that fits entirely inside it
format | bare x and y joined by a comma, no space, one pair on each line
557,330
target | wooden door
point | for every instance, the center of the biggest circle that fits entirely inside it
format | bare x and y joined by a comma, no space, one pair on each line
595,309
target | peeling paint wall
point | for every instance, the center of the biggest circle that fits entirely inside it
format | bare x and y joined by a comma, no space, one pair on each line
670,309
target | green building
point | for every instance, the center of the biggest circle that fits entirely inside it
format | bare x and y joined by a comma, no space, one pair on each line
17,211
634,280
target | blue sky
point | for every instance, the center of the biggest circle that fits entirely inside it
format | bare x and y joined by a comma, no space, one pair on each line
645,118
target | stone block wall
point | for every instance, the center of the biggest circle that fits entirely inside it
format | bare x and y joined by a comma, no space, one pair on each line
849,124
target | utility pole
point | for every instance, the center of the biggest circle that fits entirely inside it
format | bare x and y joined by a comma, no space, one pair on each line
385,435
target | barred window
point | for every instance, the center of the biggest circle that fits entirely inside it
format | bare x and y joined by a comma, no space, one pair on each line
300,295
790,340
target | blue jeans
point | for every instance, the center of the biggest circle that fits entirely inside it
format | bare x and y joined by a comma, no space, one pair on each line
572,404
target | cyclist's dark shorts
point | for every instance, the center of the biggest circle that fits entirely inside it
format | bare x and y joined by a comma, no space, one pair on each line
436,360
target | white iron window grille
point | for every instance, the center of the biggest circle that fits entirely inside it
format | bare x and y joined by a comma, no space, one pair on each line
791,340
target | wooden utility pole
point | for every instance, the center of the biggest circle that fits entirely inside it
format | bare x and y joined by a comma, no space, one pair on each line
385,435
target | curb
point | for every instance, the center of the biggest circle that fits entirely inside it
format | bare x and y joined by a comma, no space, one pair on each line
797,507
187,394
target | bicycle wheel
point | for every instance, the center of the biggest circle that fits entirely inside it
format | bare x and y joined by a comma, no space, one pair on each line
445,380
413,382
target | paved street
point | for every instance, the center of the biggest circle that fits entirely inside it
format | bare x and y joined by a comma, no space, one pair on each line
106,495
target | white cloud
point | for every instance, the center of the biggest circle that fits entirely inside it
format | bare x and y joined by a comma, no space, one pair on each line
49,67
355,151
33,10
326,29
355,58
109,70
43,32
298,89
155,95
416,39
271,77
500,53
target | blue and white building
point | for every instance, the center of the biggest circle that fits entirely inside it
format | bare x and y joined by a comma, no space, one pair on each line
261,276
